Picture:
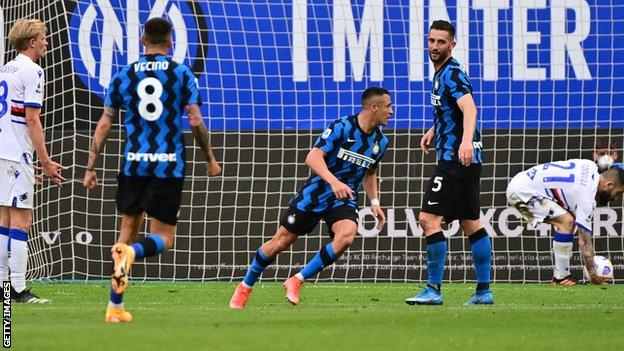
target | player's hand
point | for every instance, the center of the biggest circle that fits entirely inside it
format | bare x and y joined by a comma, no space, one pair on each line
341,190
52,170
90,180
426,140
38,175
595,279
465,153
213,168
379,214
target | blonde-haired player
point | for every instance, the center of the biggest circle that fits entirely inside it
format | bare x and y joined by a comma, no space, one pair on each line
21,133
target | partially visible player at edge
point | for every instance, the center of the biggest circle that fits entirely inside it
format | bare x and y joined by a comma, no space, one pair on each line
563,194
454,189
606,154
21,98
345,156
154,91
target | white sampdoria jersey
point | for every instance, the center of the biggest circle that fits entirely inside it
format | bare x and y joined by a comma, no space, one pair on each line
21,86
572,184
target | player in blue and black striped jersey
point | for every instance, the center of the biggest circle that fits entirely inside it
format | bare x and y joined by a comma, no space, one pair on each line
155,91
453,190
345,156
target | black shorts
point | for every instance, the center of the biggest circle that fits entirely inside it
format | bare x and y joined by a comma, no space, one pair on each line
453,191
159,197
301,223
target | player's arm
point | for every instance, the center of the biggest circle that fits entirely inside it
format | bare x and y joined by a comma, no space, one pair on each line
469,110
35,132
316,162
586,246
427,139
100,135
369,183
200,133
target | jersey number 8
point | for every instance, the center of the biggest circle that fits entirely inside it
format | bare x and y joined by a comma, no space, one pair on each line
149,90
4,93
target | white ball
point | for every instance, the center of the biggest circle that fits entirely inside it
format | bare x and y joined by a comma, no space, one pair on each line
604,268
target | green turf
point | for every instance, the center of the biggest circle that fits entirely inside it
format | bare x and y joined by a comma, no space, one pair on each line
193,316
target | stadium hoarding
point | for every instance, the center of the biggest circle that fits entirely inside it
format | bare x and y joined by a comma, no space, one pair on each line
296,64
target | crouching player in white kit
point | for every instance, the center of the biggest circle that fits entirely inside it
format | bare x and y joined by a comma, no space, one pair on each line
21,98
563,194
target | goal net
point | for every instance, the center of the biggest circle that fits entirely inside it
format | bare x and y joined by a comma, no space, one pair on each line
547,79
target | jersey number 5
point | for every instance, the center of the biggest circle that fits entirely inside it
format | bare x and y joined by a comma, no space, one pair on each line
438,184
149,90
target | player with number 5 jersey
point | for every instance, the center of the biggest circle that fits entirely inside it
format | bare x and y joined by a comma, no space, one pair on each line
453,190
563,194
155,91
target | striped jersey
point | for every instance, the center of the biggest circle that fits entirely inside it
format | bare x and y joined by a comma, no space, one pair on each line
450,83
572,184
21,86
350,153
153,91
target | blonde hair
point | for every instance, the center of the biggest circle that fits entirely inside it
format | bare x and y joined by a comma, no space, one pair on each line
25,29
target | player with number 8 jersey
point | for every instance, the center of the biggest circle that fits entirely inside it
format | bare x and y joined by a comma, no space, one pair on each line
149,90
155,91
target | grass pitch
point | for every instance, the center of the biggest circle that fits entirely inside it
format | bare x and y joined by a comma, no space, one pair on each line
353,316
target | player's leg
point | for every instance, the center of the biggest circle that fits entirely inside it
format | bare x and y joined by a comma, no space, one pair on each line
21,220
5,224
480,243
437,248
562,248
438,201
123,257
264,256
6,186
18,185
343,227
481,249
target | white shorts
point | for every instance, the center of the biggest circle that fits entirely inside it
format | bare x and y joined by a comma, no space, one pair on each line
535,209
17,183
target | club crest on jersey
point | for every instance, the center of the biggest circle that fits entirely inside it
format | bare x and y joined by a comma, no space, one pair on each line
113,30
355,158
326,133
376,148
436,84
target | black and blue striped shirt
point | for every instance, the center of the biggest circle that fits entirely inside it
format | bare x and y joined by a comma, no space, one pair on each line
350,153
450,83
153,91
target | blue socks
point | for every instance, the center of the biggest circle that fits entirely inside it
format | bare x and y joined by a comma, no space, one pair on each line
481,247
258,265
323,258
151,245
436,258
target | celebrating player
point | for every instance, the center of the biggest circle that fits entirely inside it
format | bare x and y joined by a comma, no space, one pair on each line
453,190
346,155
21,132
154,91
563,194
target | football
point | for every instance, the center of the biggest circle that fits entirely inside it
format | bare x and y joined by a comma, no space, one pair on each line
604,268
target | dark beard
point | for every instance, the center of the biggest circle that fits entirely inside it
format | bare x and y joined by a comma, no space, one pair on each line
602,199
441,57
